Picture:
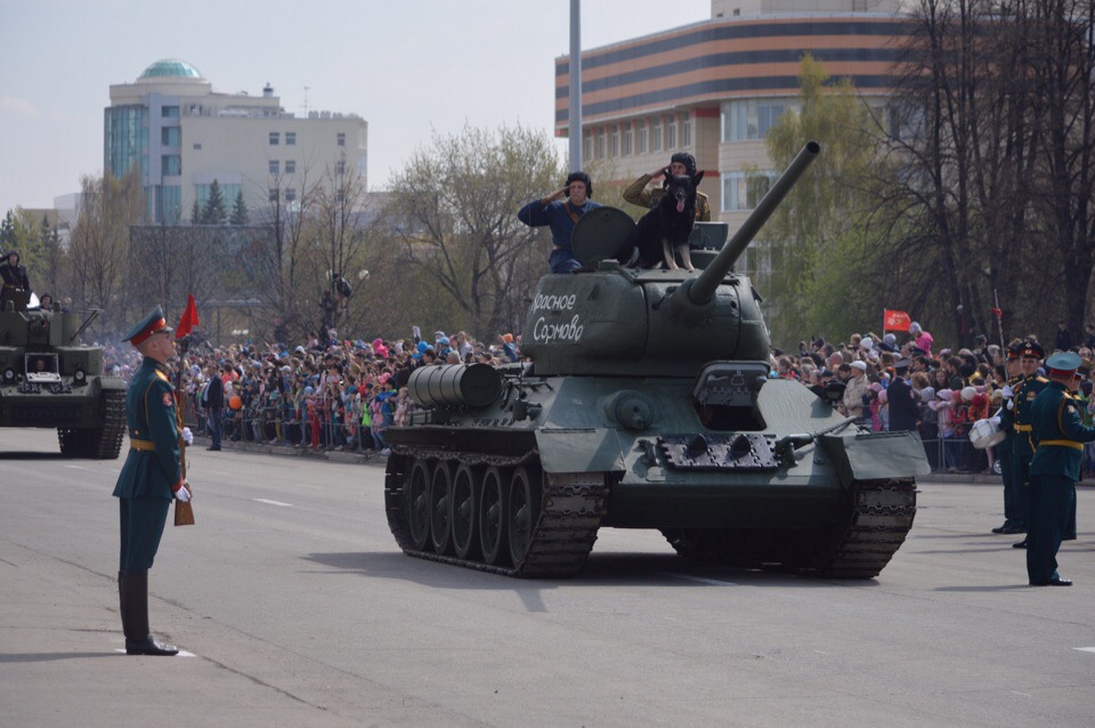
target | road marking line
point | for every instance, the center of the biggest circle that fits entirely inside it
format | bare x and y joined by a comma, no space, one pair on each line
77,467
272,502
1085,649
701,580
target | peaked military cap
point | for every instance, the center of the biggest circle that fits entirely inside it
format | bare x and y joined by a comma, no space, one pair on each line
1032,348
153,323
1064,362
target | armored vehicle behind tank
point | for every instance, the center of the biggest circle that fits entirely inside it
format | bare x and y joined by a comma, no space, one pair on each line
49,379
647,404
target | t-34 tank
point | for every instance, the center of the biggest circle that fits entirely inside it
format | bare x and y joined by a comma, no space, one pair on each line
647,405
49,379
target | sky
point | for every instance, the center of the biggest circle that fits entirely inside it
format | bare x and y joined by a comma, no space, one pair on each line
410,69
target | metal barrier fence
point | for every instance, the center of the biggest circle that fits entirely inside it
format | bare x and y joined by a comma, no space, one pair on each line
323,433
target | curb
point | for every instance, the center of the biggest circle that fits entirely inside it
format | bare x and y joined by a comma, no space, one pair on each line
337,456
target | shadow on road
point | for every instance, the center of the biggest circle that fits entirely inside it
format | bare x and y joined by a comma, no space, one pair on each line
602,569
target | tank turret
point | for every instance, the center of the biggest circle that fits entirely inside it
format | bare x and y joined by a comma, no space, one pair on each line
621,321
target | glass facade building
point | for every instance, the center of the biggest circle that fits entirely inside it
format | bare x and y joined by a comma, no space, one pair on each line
182,135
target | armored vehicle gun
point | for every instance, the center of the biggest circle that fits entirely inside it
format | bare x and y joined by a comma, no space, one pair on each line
647,404
49,379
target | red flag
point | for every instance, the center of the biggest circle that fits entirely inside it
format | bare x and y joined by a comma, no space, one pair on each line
895,321
997,313
189,319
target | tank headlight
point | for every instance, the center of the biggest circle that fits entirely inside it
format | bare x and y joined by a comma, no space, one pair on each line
9,376
79,377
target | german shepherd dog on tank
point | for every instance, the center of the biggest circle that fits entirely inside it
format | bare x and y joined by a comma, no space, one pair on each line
665,229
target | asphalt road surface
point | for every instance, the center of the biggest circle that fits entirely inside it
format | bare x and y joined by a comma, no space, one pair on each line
294,607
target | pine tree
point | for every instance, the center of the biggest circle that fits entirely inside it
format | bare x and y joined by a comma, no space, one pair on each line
240,215
196,213
214,212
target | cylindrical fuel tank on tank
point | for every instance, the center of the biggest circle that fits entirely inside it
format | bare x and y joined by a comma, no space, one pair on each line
455,385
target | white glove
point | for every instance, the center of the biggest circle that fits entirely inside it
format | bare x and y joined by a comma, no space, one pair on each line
187,436
182,494
995,420
1008,394
1011,404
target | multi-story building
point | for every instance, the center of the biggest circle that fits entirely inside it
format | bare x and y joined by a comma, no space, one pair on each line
715,87
183,135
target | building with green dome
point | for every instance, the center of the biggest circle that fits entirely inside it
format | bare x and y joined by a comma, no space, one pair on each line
183,135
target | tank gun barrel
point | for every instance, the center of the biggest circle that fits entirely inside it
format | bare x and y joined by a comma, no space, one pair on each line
700,290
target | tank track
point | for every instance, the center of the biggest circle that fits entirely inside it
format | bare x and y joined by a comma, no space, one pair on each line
880,514
114,424
98,443
572,506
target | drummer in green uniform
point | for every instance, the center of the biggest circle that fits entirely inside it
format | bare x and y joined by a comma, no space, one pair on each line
1014,518
1030,357
150,478
1058,434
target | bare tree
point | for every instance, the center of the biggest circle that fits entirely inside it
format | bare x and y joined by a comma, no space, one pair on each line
993,147
98,255
456,206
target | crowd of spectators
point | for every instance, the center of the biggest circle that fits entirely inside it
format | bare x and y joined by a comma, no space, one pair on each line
343,394
953,388
334,394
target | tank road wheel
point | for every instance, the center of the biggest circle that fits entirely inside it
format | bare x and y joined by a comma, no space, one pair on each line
522,510
418,504
462,513
440,503
492,509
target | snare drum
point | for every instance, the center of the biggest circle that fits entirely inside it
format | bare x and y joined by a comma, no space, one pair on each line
985,434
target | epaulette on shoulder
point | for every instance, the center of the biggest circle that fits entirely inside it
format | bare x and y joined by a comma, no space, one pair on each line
1043,380
163,376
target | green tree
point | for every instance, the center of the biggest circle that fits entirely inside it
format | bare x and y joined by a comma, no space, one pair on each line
816,241
196,213
240,215
214,211
454,209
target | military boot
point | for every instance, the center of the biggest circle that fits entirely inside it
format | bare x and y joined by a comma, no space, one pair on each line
138,640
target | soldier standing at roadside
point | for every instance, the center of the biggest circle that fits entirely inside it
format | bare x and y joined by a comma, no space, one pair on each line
1013,516
150,478
1058,433
1030,357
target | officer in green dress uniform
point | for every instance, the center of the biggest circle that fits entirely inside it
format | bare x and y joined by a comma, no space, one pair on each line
1030,356
150,478
1059,434
1013,516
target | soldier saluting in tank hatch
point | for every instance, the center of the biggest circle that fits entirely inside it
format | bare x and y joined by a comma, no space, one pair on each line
14,277
151,477
680,164
562,215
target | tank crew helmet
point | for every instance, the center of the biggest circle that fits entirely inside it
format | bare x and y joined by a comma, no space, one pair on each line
7,255
1031,349
152,323
687,160
581,177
